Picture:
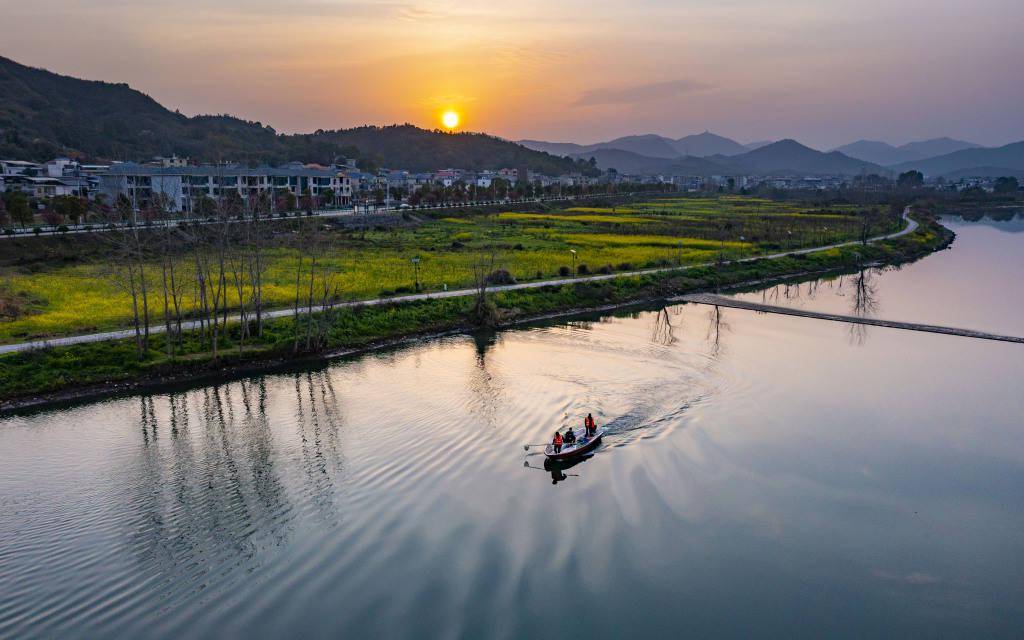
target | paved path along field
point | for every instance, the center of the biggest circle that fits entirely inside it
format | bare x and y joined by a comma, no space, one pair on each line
347,212
456,293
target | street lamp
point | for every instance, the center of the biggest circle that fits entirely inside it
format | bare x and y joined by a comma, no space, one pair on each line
573,252
416,271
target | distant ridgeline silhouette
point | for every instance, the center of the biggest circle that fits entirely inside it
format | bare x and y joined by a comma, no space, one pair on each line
43,115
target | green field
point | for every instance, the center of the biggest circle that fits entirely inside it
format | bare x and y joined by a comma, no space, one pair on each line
42,299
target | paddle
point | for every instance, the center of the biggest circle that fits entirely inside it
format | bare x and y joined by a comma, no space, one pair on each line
530,466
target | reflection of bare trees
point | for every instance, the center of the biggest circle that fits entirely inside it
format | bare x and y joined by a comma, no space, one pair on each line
865,298
147,419
864,304
716,327
484,385
319,420
663,332
791,292
214,490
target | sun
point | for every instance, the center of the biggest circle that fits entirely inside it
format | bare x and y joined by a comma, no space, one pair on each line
450,119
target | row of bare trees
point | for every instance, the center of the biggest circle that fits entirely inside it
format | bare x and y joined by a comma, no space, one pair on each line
203,275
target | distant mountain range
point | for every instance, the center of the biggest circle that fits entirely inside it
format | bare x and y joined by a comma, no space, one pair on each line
887,155
1008,158
700,145
710,154
43,115
791,156
785,156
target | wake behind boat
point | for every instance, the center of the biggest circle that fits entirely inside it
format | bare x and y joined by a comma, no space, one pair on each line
583,444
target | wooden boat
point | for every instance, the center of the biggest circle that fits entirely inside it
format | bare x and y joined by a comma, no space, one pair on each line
582,445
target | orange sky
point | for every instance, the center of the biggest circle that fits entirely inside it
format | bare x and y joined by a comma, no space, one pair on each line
823,72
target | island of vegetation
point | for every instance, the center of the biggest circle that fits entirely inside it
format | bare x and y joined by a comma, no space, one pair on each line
241,291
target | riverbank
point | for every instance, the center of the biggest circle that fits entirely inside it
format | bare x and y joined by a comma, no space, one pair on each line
38,378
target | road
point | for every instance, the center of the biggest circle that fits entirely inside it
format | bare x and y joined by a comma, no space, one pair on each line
321,213
436,295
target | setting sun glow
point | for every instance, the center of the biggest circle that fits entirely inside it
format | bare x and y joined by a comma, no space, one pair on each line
450,119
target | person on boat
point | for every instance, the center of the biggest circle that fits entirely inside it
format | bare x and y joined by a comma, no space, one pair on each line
570,436
588,422
557,442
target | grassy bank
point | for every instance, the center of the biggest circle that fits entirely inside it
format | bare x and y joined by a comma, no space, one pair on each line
72,285
81,369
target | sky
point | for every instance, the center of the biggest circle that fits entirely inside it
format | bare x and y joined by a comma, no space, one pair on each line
825,72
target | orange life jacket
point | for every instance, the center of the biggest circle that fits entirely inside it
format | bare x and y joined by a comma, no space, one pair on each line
558,438
588,422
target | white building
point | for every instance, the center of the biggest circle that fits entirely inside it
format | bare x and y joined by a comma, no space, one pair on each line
185,186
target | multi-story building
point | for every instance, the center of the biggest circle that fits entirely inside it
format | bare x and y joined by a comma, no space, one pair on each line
19,168
183,187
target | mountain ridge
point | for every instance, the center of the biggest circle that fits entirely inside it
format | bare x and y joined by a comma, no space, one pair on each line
885,154
1009,156
782,157
44,114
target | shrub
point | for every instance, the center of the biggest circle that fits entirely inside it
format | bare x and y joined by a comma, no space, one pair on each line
500,276
564,271
624,266
605,269
8,231
457,245
583,269
63,228
36,230
519,246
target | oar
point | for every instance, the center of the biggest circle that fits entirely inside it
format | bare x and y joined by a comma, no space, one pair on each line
530,466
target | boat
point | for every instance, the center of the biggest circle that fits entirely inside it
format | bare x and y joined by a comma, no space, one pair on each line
582,445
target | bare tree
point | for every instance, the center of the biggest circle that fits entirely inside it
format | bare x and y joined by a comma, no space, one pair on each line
484,311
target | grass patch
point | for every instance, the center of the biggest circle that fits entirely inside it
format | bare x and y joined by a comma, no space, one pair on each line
75,293
102,363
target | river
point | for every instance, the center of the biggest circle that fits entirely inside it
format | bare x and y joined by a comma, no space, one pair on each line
763,475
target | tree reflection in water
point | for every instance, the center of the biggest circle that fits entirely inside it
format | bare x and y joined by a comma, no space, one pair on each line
663,332
716,327
485,387
210,493
864,304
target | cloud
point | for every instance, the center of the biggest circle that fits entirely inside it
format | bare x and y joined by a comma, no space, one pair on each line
639,93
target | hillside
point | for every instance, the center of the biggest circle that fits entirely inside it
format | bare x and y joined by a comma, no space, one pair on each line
886,154
707,144
1010,156
554,148
985,172
651,145
43,114
633,163
791,156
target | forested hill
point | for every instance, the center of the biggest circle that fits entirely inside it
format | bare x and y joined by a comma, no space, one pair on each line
43,115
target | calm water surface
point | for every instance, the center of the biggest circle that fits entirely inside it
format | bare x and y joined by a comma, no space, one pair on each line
763,475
